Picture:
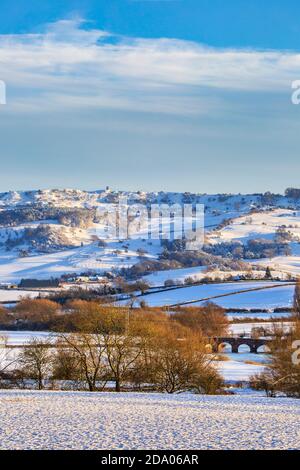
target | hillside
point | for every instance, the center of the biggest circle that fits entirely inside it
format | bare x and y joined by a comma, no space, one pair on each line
48,233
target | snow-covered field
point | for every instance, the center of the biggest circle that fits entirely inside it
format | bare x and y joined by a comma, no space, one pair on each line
261,299
197,274
246,328
67,420
264,225
13,295
259,316
76,260
158,278
19,338
284,264
258,225
241,370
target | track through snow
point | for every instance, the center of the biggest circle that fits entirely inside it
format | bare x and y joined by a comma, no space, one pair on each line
77,420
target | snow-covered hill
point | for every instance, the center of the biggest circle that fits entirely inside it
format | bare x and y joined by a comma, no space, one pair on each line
48,233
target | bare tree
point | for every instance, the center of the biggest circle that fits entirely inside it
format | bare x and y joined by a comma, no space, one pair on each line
5,316
179,362
209,320
122,349
66,365
297,300
35,361
282,374
207,379
81,355
7,357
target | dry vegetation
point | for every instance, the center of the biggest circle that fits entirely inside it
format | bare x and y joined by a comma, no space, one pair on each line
283,373
96,345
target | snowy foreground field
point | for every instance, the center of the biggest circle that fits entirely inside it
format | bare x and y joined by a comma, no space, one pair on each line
66,420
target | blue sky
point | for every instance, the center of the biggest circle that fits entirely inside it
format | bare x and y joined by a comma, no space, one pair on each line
240,23
187,95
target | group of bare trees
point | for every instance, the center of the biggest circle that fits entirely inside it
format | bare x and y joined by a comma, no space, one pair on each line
282,375
119,349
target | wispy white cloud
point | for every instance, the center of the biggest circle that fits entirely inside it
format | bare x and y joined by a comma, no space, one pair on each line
69,66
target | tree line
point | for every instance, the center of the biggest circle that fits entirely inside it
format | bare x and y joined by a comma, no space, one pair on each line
104,347
98,346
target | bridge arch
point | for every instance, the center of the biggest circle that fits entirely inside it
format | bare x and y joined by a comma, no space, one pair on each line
225,347
244,348
263,348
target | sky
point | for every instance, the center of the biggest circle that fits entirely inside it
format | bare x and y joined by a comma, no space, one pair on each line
175,95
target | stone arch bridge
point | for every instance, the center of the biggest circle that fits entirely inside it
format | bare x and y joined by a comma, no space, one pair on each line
236,342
